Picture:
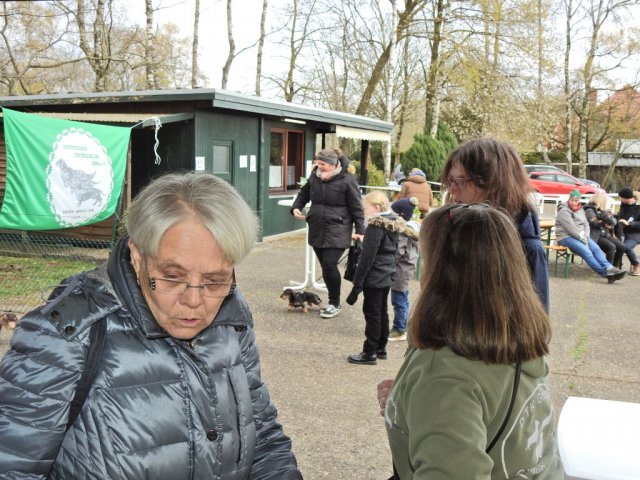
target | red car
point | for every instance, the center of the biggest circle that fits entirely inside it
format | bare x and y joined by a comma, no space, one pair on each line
559,183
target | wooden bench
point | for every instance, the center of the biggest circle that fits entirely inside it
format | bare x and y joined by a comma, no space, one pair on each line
561,252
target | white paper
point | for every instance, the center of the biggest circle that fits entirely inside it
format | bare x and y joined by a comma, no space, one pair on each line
243,161
252,163
199,163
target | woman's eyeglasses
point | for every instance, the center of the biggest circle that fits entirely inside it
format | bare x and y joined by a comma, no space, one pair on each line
459,183
179,287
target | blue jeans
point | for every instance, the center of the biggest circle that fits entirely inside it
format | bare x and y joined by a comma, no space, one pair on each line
400,302
630,245
591,254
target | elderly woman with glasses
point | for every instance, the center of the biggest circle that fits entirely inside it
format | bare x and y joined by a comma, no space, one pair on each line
176,389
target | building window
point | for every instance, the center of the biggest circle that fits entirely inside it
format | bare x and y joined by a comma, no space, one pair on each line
221,157
286,159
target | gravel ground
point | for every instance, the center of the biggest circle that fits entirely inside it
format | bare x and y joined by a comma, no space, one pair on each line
328,407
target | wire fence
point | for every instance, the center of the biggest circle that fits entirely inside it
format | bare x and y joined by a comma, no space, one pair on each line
32,264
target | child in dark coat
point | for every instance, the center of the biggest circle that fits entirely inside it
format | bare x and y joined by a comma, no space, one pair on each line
374,275
406,262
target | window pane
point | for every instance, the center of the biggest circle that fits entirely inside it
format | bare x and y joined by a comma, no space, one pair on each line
276,160
221,158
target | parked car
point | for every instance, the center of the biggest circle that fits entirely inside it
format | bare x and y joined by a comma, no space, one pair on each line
542,168
551,168
559,183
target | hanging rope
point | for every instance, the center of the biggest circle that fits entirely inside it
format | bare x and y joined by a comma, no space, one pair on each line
157,124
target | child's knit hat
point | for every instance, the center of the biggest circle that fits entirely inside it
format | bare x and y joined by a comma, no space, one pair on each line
405,207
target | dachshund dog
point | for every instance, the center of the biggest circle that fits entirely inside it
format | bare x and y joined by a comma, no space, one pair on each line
8,320
302,300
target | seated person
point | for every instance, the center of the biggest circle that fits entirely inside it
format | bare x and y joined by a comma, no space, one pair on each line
602,224
629,218
572,231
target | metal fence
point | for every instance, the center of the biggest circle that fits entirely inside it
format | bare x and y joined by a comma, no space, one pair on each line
32,264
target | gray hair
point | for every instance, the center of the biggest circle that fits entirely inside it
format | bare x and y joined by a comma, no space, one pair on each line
171,198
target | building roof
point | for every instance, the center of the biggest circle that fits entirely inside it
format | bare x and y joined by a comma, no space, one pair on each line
343,124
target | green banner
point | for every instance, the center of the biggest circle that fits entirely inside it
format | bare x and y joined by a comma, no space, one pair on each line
60,173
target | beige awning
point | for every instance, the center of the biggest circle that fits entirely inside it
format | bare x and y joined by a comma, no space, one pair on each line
361,134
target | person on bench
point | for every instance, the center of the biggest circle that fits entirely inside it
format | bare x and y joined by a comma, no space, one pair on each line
572,231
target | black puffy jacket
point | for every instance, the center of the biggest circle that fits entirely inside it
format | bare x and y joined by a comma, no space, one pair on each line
630,213
376,265
336,206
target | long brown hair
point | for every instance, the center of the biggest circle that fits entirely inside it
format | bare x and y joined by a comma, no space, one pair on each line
476,293
496,168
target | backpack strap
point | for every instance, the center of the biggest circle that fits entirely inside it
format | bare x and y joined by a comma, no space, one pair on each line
514,393
97,336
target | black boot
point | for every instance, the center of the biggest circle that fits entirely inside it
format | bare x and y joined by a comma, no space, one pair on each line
363,359
381,354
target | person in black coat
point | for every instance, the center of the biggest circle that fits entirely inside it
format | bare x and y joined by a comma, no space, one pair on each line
336,207
601,226
374,275
629,218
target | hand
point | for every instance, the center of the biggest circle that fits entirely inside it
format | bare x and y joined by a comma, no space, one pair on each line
353,296
356,236
298,214
384,387
623,221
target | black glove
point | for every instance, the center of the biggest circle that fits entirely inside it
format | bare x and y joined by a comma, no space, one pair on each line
353,296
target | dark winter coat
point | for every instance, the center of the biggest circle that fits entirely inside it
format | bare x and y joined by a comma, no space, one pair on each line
376,265
159,407
628,212
336,206
600,222
529,229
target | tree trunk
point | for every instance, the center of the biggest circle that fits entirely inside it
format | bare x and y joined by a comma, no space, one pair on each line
194,48
232,47
149,47
404,100
261,45
434,64
389,88
568,127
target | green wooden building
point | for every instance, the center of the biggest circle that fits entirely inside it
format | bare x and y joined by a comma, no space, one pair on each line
262,147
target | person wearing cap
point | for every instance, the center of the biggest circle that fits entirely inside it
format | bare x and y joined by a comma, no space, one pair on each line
572,231
416,185
405,261
629,218
336,207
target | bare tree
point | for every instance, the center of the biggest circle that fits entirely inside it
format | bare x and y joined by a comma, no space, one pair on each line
263,19
232,47
150,63
411,7
194,48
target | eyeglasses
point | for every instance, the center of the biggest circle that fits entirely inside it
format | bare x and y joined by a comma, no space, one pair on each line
459,183
171,286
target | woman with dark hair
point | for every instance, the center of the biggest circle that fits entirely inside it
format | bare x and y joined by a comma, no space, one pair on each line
472,399
336,206
486,170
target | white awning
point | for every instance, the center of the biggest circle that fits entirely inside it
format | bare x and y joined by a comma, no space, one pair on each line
361,134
